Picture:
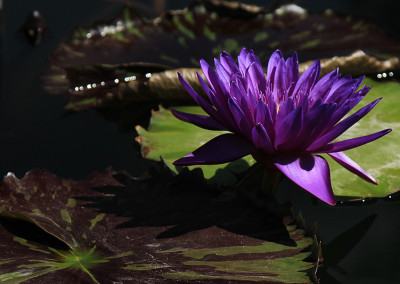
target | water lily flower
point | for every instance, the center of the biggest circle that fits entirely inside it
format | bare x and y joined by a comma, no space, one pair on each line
284,120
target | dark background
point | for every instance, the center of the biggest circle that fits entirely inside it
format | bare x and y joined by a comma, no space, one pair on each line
35,133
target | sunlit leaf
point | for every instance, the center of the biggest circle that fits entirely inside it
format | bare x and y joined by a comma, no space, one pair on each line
170,138
380,158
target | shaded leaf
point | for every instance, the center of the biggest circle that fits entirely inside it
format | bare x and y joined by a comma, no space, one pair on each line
144,230
338,248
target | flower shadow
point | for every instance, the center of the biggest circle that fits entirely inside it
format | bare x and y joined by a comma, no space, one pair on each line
184,203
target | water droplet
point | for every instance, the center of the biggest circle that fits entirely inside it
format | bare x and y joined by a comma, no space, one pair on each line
379,76
76,89
130,78
81,88
94,85
102,83
116,81
384,75
88,86
391,74
148,75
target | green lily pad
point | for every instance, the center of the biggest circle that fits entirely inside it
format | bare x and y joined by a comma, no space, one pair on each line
380,158
113,228
171,139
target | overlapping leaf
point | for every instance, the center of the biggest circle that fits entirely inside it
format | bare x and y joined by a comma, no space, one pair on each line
145,230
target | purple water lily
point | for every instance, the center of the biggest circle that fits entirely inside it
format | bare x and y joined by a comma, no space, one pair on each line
281,119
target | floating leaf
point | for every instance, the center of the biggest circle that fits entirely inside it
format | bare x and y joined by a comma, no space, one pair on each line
117,229
170,138
382,158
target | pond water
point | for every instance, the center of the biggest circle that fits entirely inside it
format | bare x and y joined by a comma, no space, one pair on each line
36,132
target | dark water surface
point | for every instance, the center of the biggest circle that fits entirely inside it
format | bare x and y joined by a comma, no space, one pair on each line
34,131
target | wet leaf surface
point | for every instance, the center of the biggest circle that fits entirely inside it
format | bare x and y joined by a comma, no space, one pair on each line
111,227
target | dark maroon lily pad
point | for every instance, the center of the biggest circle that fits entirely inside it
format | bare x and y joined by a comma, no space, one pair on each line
113,228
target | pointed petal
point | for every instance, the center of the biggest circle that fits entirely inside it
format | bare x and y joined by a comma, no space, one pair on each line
292,69
322,87
342,126
263,116
216,85
261,139
198,99
309,172
202,121
228,62
221,149
288,129
222,73
306,81
240,118
351,143
273,63
242,60
350,165
284,110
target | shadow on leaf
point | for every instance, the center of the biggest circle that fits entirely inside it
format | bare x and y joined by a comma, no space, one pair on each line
186,203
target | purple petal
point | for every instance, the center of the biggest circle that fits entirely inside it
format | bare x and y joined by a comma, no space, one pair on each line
307,81
322,87
199,99
350,165
222,73
228,62
219,103
273,63
256,78
342,126
240,118
280,82
292,68
309,172
202,121
263,116
284,110
242,60
351,143
216,85
221,149
261,139
344,91
313,125
288,129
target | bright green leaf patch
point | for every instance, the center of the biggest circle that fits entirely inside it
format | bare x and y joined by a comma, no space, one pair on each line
380,158
171,139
